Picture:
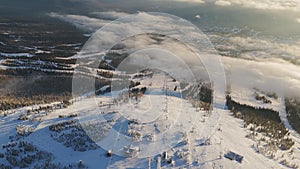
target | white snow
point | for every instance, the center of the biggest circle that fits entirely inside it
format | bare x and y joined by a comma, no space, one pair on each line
202,138
16,54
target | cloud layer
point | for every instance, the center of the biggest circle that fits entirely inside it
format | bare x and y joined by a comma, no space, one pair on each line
258,4
82,22
223,3
255,48
110,14
280,77
262,4
261,63
189,1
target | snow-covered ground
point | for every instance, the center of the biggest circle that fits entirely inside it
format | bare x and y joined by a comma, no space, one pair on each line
157,122
247,96
16,54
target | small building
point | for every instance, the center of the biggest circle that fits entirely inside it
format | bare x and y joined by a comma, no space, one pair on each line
165,156
151,137
130,151
234,156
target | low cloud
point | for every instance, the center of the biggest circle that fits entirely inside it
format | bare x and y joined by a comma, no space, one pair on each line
263,4
265,64
222,3
268,75
189,1
252,48
110,14
258,4
82,22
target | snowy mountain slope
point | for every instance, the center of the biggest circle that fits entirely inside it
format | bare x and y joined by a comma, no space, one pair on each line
194,137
